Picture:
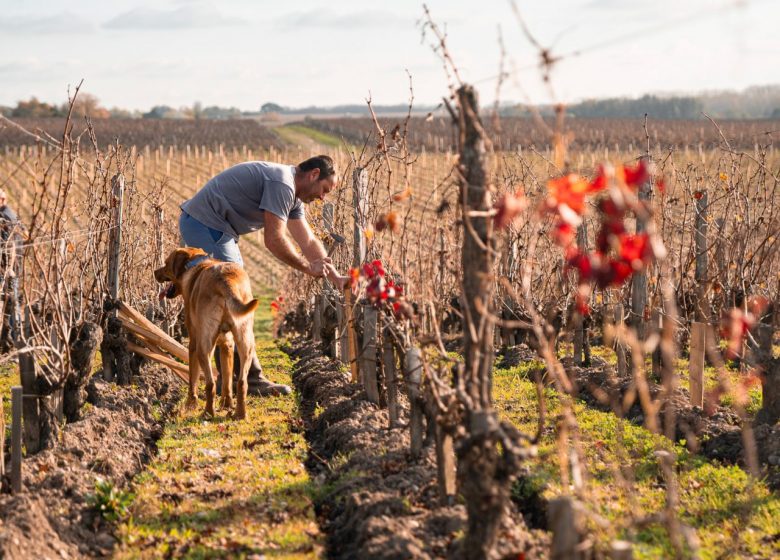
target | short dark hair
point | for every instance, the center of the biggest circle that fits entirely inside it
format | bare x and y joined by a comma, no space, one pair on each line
323,163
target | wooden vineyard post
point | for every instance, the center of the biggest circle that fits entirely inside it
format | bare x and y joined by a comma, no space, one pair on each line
701,311
316,324
620,349
445,466
563,522
391,387
342,334
114,251
413,376
368,356
351,334
31,405
2,438
770,392
639,279
16,438
696,363
360,210
579,323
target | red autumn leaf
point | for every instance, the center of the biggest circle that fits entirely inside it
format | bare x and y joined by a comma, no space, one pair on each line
507,208
613,273
635,249
636,176
569,190
599,182
582,263
403,195
393,221
660,184
564,234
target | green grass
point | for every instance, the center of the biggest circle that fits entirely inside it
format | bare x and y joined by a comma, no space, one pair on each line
289,131
9,376
731,515
221,488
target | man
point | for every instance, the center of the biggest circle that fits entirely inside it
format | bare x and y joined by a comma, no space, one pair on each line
261,195
10,250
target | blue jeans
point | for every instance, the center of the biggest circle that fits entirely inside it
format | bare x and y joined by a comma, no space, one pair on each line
217,244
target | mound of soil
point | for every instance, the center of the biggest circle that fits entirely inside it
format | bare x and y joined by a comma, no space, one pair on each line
715,435
113,441
376,502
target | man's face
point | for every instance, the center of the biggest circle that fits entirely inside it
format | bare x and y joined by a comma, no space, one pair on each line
316,188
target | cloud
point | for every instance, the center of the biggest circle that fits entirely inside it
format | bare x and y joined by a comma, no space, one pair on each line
187,16
62,23
345,22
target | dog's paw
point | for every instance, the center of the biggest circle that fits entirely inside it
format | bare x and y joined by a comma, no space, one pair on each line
238,414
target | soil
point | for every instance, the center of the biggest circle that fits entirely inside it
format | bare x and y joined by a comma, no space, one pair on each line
376,502
114,440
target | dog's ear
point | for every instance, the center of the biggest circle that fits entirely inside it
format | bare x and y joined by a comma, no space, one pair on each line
179,261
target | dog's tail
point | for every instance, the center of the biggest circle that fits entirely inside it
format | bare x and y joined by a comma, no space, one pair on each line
240,309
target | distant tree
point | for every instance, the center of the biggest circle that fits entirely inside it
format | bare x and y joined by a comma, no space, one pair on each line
6,111
119,113
87,105
271,108
214,112
161,112
34,108
197,110
776,113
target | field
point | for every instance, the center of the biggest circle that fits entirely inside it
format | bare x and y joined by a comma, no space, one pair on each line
572,425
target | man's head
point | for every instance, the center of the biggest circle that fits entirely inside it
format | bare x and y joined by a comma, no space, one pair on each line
314,178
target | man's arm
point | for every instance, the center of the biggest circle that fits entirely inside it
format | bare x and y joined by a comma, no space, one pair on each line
311,247
277,242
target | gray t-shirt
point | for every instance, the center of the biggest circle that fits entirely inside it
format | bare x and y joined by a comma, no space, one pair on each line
236,200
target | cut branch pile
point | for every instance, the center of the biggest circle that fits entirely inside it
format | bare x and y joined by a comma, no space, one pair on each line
155,344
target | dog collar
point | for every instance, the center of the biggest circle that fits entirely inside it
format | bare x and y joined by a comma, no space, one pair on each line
195,262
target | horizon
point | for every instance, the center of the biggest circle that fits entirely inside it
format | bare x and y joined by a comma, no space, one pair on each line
243,54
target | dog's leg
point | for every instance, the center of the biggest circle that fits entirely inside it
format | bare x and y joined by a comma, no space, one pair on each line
226,347
205,363
245,340
192,392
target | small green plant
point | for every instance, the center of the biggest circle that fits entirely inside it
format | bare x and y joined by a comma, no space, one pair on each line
111,502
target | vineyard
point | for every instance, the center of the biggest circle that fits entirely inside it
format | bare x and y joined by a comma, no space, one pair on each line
559,341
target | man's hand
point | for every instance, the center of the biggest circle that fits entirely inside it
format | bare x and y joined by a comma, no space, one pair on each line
336,279
318,267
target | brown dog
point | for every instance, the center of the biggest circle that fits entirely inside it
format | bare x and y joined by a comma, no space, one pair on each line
218,309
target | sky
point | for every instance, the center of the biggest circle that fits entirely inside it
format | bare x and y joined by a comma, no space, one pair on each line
136,54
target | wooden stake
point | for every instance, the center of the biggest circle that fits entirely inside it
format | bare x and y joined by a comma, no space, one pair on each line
445,466
388,364
16,438
370,382
413,376
351,334
696,363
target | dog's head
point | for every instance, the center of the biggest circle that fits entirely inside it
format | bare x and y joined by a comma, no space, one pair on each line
175,266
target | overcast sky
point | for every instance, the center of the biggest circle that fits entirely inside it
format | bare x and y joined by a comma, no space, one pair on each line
135,53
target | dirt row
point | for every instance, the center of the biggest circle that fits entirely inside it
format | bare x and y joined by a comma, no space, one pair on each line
115,439
715,434
375,502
